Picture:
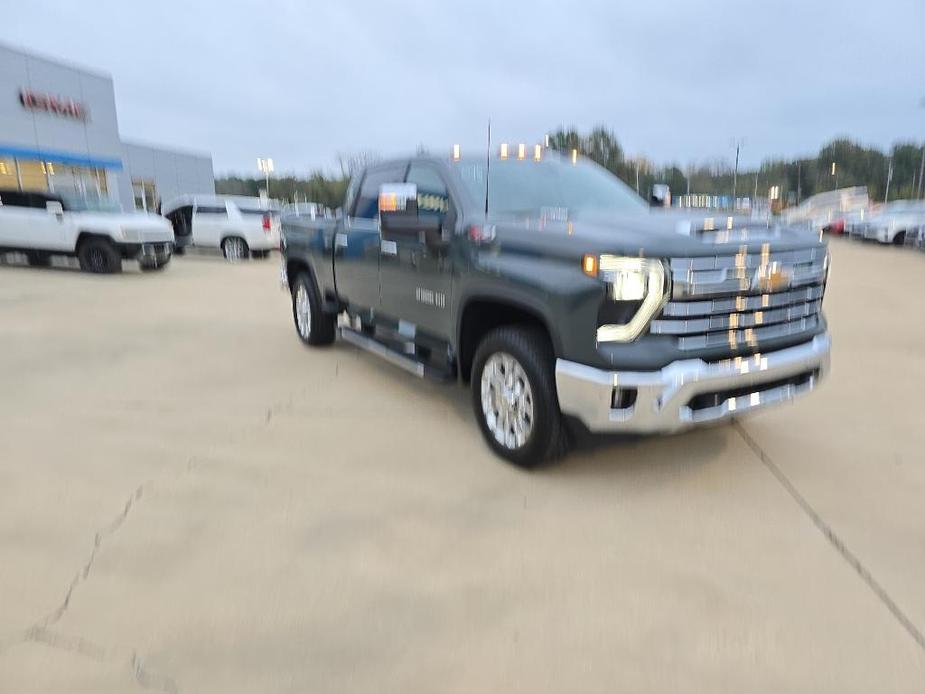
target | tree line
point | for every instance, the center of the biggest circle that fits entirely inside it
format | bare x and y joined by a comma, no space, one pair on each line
796,179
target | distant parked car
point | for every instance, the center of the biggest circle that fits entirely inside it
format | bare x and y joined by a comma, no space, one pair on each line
240,226
893,221
95,230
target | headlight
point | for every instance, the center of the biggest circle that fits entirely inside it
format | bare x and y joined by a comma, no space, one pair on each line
635,289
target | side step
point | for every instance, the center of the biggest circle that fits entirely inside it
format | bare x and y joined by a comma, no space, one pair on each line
409,364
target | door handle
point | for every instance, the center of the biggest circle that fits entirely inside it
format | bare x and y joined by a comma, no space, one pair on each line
388,247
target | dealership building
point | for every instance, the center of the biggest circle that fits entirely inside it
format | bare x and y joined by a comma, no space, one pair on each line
59,132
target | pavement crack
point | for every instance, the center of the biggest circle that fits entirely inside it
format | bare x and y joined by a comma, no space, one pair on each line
829,533
99,537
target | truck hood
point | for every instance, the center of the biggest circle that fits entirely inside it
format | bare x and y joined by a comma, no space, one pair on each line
133,226
654,234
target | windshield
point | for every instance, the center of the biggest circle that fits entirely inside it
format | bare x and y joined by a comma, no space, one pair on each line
551,188
76,202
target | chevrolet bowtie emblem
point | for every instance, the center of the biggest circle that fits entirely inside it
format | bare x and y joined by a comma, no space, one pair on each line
771,278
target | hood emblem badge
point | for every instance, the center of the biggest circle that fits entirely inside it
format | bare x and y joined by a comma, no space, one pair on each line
771,278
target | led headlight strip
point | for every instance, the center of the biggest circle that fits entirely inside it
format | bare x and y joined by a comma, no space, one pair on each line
632,279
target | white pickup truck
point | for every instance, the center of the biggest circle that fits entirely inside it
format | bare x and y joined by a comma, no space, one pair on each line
97,232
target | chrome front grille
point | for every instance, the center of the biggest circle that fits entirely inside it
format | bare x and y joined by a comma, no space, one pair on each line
737,301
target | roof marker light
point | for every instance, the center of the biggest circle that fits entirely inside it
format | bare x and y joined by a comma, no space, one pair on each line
521,151
504,150
455,152
574,156
537,152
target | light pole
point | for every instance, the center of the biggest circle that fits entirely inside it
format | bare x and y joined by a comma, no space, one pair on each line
738,142
265,166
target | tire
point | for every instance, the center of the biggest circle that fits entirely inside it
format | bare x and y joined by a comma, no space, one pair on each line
235,248
151,267
38,259
900,239
179,250
99,256
518,359
260,255
312,325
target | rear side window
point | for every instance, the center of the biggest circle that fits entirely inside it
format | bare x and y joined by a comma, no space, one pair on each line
211,209
368,199
16,199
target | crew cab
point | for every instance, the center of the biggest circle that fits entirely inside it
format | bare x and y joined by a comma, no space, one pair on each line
95,230
240,226
547,286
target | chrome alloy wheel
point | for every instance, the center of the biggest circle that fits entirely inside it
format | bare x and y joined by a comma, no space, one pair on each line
303,311
507,400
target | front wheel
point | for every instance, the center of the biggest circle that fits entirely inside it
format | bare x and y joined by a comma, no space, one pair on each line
514,396
99,256
313,325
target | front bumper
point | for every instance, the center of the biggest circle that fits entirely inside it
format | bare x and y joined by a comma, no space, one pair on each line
689,392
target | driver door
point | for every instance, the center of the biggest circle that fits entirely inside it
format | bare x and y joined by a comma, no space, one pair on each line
414,277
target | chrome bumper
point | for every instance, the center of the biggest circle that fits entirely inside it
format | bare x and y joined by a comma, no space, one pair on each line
663,398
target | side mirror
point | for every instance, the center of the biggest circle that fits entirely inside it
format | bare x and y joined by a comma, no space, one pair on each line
398,199
54,207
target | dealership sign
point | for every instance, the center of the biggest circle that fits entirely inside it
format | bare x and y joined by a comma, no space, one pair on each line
58,105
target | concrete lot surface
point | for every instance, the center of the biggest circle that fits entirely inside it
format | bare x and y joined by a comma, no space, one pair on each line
191,501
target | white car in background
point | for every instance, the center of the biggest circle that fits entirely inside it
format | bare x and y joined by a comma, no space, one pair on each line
94,229
239,226
892,221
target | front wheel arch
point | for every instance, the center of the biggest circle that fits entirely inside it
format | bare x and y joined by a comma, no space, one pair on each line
481,315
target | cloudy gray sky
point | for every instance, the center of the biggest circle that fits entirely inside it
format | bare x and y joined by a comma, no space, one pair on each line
675,79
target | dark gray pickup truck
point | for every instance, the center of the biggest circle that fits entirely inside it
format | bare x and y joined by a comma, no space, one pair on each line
549,287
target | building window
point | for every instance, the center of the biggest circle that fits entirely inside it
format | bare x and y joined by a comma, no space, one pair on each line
145,194
8,178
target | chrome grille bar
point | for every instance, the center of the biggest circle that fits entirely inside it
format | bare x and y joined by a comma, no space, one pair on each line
717,301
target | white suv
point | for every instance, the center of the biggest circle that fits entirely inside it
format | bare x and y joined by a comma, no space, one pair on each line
239,226
96,231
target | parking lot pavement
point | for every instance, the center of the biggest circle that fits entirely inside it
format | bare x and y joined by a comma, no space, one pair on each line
191,501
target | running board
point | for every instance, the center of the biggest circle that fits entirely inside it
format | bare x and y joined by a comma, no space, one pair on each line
380,350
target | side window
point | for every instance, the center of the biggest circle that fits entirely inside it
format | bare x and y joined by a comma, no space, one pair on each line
368,200
14,198
433,196
211,209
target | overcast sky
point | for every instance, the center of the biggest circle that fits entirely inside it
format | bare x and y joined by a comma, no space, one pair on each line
676,80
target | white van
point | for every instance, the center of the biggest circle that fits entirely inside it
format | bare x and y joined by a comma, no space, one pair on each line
240,226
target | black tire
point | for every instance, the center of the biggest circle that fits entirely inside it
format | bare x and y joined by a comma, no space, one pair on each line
260,255
316,328
179,250
530,347
38,259
99,256
151,267
235,248
900,239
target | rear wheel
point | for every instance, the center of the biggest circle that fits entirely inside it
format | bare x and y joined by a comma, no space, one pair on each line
99,256
514,396
235,248
38,259
900,239
313,325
